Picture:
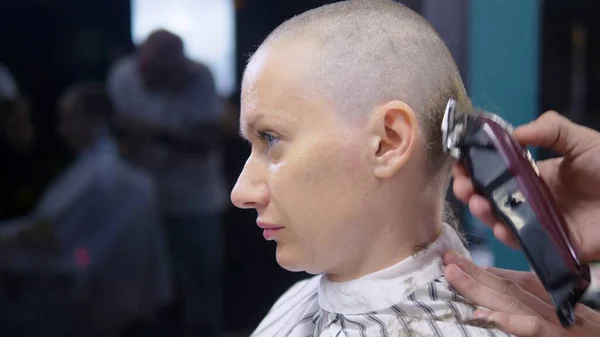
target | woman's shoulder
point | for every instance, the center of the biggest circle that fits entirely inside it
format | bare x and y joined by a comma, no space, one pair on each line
300,290
300,300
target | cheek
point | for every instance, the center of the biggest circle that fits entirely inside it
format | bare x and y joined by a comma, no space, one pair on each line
317,176
317,191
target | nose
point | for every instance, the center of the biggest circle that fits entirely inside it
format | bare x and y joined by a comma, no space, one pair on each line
250,190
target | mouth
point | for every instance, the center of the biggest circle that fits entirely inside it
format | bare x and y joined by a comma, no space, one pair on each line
270,233
269,230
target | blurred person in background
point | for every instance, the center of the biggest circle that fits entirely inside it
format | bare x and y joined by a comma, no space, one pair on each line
26,168
8,85
171,116
97,263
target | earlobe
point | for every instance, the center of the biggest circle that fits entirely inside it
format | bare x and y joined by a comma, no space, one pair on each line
394,128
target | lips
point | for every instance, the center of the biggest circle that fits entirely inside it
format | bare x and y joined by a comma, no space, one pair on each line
266,225
269,230
269,234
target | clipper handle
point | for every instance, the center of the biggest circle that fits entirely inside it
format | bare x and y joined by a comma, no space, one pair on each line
520,199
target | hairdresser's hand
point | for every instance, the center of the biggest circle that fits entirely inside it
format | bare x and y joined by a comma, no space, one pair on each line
517,302
574,179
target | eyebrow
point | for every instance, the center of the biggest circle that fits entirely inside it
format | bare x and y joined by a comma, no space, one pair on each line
251,125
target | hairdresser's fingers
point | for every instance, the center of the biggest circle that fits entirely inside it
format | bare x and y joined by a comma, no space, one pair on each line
462,185
588,314
482,209
465,192
459,171
526,280
496,293
550,172
463,189
521,325
533,326
553,131
502,233
479,206
531,283
481,295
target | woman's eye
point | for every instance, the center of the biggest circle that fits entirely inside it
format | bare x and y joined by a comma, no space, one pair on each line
270,139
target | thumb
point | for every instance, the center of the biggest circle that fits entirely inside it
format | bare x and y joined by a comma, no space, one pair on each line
555,132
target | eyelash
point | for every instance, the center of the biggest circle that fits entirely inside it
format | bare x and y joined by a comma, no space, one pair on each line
268,138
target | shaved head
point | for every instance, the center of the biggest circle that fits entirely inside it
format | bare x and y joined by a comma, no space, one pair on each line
374,51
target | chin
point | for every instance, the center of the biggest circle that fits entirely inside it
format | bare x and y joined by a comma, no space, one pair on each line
288,259
294,260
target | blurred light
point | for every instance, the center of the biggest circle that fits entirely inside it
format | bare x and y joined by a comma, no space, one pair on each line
207,28
82,257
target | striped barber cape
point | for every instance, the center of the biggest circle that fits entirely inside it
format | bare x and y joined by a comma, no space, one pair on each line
411,298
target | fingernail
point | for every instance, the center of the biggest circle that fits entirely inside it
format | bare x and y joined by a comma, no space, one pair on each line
482,314
453,272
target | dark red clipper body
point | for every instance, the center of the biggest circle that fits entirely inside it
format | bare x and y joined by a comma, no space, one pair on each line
506,175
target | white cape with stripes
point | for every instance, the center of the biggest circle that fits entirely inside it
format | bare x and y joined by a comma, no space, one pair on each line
410,298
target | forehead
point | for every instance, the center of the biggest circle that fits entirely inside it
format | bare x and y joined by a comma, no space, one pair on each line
294,55
278,80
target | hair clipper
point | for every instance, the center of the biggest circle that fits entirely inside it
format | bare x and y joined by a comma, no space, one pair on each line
505,174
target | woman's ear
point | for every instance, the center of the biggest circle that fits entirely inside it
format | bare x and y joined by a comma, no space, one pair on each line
393,129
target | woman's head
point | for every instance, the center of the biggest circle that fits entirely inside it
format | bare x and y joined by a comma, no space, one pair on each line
342,106
84,112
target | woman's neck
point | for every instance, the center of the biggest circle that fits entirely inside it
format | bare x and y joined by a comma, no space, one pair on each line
392,242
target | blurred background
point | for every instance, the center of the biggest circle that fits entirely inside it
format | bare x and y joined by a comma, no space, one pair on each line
119,124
